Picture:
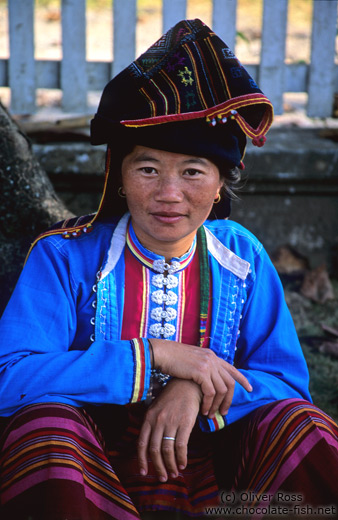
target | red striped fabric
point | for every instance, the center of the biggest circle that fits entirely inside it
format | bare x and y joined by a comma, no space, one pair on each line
57,463
194,489
283,444
58,443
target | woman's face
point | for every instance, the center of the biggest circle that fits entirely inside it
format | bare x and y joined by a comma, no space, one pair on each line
169,196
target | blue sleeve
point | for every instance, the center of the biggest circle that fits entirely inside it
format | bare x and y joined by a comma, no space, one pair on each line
268,351
37,363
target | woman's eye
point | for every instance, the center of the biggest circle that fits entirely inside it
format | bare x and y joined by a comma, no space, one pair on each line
191,172
148,169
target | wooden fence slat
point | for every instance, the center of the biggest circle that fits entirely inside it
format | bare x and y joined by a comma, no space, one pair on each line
224,21
271,73
4,64
98,74
321,79
47,74
124,34
21,65
75,76
295,77
173,12
73,66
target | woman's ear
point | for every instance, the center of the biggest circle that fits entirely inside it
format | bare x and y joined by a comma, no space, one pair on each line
222,209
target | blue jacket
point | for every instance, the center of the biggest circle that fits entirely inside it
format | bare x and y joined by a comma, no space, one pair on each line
60,333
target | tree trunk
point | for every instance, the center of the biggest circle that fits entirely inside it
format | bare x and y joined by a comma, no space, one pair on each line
28,202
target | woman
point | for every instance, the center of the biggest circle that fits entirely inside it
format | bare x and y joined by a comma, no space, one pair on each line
148,360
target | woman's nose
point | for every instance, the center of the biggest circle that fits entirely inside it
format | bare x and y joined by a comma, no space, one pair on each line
169,190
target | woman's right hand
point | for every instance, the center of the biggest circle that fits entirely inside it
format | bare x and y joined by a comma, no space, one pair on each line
215,376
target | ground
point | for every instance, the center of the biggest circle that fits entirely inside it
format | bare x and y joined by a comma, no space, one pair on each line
309,317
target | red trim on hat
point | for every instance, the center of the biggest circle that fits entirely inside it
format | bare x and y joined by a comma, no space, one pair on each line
223,109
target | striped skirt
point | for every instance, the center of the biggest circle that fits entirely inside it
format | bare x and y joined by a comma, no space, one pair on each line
59,462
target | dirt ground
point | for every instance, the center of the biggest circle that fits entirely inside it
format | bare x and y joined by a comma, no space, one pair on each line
311,319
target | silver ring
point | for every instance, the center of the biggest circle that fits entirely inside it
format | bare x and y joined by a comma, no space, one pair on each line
169,438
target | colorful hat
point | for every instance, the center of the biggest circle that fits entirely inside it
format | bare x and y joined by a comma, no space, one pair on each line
188,94
188,75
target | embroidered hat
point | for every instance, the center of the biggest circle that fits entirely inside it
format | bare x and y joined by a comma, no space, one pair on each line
188,94
189,74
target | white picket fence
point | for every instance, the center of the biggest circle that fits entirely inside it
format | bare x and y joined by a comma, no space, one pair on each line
75,76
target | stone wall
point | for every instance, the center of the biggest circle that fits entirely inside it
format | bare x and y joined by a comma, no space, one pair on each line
289,193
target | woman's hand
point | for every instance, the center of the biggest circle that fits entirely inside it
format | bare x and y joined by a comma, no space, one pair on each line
215,376
172,414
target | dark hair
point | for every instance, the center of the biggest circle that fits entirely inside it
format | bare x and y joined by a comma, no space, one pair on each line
231,179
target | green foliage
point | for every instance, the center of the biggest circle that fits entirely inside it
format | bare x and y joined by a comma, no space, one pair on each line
47,3
242,36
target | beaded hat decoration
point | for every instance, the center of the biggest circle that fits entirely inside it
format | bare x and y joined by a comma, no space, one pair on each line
189,74
187,94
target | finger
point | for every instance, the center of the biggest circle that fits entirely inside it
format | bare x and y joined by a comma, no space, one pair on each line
222,389
209,392
226,403
142,447
239,377
182,438
155,452
169,456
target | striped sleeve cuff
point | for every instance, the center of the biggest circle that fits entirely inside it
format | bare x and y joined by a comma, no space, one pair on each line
211,425
142,369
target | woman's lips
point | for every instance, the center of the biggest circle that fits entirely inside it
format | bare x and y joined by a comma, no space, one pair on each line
168,218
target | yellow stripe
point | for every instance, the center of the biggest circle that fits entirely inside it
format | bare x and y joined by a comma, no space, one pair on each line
219,420
90,482
223,109
174,90
196,77
237,103
137,371
290,447
71,229
164,97
52,443
280,462
218,67
285,426
182,305
144,302
150,101
135,252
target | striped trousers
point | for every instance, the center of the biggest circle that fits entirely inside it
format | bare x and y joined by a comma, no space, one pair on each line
57,464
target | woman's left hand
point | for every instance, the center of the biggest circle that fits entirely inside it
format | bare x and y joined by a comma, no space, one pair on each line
172,414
